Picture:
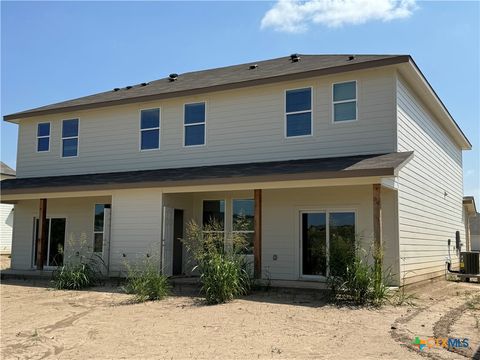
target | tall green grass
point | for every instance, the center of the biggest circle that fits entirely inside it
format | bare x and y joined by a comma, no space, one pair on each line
82,267
354,278
223,269
145,282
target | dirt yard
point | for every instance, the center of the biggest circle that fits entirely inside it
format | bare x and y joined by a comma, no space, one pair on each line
38,323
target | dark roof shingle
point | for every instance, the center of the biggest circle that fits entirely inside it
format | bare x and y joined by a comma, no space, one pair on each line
305,169
235,76
6,170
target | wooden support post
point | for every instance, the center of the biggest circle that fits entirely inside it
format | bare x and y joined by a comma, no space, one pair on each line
377,227
257,240
42,234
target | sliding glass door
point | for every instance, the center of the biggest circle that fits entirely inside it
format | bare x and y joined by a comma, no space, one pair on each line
327,241
55,242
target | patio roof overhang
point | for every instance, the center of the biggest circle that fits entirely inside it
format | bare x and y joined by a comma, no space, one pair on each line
360,166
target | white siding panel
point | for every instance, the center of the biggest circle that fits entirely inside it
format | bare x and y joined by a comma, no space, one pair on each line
243,125
6,226
430,188
281,234
136,227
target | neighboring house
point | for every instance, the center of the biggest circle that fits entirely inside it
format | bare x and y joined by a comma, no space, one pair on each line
315,150
6,214
473,225
470,213
475,232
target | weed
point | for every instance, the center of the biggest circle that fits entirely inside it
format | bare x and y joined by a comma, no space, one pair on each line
357,280
223,270
82,267
145,281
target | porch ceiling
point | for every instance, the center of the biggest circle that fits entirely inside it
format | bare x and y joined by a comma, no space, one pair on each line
380,165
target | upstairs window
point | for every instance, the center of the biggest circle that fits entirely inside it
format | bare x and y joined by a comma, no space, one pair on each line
194,124
345,101
43,137
298,112
150,129
70,138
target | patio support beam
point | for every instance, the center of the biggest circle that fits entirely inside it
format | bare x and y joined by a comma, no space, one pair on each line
257,239
377,225
42,234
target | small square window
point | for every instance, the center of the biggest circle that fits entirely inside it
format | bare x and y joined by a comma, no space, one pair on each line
194,135
43,129
150,118
70,147
70,128
43,144
194,113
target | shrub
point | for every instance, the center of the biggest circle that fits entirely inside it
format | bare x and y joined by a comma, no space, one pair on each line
357,280
145,282
82,268
74,276
223,271
223,277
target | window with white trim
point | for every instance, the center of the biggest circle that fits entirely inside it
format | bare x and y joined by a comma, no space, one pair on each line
43,137
213,219
150,129
194,124
298,112
328,241
99,227
345,101
243,224
70,138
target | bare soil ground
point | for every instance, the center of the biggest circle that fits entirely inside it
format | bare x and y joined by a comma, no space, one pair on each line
4,262
101,323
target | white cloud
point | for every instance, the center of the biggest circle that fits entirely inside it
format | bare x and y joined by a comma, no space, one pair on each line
293,16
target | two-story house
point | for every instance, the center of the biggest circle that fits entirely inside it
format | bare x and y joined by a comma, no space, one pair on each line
310,150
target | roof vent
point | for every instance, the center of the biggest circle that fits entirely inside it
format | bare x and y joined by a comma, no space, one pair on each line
351,57
295,57
116,89
252,67
128,87
173,77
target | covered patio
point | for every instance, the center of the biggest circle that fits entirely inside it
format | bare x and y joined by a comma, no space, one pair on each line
293,207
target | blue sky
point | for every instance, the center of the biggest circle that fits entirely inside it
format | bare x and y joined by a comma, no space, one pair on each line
53,51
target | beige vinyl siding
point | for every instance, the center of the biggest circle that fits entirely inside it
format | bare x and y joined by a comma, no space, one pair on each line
281,224
6,226
79,213
427,217
242,125
135,227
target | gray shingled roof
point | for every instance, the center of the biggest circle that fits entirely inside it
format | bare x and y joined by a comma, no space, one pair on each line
236,76
6,170
321,168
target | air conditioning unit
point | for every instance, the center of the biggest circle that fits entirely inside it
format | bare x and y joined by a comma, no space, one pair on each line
470,262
